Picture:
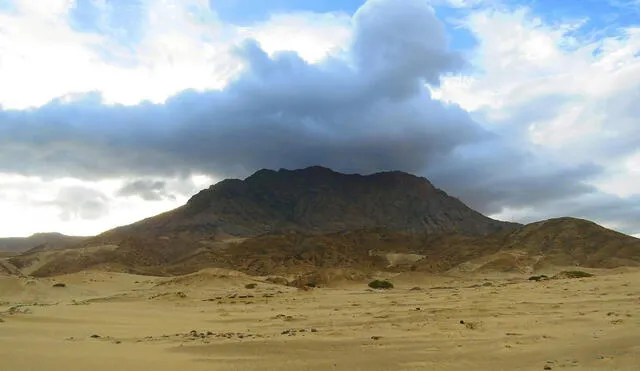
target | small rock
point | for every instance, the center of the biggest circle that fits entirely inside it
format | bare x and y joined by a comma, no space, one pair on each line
59,284
95,336
462,322
376,337
547,367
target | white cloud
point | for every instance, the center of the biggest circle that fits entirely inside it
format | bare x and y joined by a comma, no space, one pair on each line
567,94
313,36
182,45
66,205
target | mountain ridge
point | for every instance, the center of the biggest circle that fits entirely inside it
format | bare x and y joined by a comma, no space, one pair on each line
320,200
314,219
38,241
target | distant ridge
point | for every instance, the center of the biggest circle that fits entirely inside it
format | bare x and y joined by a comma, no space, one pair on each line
38,241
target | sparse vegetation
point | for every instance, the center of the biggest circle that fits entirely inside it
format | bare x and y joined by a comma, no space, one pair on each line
573,274
250,286
472,325
541,277
380,284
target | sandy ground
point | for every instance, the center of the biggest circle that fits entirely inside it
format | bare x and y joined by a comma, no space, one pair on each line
210,321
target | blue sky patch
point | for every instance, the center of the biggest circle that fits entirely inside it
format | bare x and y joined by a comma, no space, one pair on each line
249,11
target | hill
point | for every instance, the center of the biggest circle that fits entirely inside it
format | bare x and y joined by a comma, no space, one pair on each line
534,247
557,242
306,222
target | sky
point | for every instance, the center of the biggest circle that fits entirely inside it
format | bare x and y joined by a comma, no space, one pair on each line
116,110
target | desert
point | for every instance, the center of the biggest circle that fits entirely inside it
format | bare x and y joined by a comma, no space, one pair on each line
290,185
215,319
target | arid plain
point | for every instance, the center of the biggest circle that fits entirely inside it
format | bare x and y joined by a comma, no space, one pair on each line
211,320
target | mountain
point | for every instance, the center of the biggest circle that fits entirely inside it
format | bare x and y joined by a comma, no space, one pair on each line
38,242
317,200
313,221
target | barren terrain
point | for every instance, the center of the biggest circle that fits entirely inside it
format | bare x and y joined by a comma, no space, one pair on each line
211,320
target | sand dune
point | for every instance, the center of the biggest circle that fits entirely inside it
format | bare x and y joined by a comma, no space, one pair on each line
210,321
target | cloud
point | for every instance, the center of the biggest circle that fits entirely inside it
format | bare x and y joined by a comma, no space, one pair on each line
129,50
77,202
383,91
313,36
565,97
148,190
365,111
76,207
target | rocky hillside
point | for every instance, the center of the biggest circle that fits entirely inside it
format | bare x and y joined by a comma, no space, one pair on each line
535,247
317,200
571,241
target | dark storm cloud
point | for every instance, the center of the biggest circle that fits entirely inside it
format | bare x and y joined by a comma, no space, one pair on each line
367,113
493,174
148,190
364,113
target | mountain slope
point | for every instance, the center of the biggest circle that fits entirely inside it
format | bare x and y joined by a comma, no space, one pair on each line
537,246
571,241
